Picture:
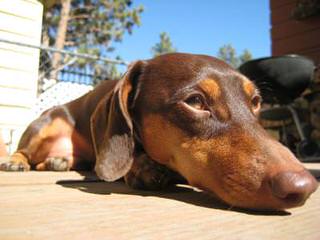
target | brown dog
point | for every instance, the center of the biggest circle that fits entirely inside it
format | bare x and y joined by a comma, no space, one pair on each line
192,114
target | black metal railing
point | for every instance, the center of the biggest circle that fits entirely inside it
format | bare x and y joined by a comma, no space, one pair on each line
71,67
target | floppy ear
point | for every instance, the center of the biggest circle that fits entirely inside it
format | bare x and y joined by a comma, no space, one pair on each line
112,130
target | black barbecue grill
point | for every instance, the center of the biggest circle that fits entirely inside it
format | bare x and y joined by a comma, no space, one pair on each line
281,80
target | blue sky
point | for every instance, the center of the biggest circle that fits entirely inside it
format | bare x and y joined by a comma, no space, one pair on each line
200,27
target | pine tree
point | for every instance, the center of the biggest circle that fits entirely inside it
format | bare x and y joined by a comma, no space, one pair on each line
88,26
164,46
245,56
228,54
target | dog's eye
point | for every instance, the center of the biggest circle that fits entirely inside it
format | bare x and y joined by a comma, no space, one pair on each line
196,101
256,103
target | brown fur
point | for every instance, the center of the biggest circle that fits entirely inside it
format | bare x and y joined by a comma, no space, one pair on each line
172,118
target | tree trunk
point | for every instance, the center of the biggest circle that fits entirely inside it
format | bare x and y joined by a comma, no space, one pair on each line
61,36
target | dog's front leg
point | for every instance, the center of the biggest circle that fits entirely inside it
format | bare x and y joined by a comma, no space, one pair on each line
146,174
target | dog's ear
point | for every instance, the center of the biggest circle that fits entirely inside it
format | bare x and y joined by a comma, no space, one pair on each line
112,128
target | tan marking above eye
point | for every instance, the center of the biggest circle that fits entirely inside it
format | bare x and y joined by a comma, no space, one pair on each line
248,87
211,87
251,91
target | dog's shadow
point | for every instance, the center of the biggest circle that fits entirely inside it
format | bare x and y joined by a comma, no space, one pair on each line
315,173
183,193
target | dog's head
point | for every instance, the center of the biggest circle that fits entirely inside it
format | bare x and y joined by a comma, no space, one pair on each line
198,116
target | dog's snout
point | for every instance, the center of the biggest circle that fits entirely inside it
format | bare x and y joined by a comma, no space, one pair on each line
293,188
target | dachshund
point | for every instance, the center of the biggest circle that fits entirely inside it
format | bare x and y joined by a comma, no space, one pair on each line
172,118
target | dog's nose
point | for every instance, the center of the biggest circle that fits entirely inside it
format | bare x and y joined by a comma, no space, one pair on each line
293,188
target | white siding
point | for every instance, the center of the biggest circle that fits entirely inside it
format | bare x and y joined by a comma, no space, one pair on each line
20,21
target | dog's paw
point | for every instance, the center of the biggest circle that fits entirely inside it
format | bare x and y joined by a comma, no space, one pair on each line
15,166
146,174
16,162
57,164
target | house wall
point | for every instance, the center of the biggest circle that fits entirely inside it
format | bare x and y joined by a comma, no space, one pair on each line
290,36
20,21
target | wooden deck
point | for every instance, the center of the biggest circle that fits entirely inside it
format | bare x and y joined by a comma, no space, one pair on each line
71,205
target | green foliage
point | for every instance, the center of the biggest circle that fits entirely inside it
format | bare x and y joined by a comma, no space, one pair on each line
47,4
245,56
229,55
93,25
164,46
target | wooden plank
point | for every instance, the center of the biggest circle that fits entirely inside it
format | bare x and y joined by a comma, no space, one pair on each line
17,48
12,117
293,28
21,26
16,37
278,3
19,61
313,54
33,177
17,97
99,210
282,14
50,177
18,79
297,43
30,10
